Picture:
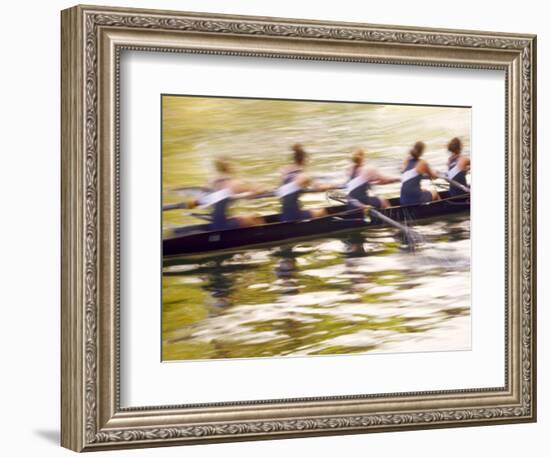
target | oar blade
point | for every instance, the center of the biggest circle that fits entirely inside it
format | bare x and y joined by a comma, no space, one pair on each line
410,236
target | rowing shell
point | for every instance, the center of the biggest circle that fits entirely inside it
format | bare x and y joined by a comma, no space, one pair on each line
199,239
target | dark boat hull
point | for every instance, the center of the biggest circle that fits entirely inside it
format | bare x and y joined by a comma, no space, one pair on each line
193,240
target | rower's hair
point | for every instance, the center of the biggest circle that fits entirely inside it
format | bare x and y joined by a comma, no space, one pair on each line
455,145
357,156
417,149
299,154
222,165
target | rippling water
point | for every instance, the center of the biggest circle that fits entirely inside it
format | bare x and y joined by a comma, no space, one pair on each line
355,293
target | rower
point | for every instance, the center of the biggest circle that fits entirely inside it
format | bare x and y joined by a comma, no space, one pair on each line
458,167
415,169
224,187
360,180
295,180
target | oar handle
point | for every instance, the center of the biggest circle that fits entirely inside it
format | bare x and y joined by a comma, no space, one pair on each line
172,206
452,182
187,204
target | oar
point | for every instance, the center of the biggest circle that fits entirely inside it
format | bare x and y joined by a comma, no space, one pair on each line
198,189
193,202
181,205
274,193
410,234
248,195
452,182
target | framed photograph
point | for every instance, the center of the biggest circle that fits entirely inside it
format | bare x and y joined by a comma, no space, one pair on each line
276,228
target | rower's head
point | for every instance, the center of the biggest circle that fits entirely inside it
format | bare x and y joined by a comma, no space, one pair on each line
455,146
223,165
298,154
417,149
358,157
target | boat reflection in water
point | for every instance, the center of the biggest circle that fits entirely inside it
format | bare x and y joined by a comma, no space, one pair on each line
286,269
355,245
220,284
353,293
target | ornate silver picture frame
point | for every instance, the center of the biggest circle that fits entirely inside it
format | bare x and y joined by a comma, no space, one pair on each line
93,40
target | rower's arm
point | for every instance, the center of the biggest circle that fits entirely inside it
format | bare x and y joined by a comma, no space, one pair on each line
464,163
375,177
304,180
424,169
317,187
241,187
322,187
